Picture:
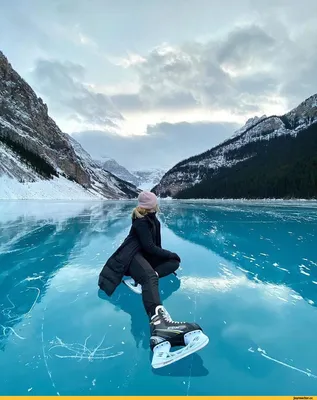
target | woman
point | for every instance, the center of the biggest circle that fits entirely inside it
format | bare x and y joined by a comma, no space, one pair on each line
142,258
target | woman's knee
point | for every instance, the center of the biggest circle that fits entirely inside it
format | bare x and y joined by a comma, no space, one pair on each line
167,268
174,265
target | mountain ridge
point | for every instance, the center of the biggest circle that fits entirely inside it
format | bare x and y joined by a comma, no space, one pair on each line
191,177
143,179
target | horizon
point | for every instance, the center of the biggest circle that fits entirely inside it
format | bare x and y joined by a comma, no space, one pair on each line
152,85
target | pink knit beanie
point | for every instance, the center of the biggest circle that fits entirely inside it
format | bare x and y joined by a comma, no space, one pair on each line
147,200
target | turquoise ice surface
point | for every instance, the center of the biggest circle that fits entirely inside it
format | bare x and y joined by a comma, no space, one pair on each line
248,277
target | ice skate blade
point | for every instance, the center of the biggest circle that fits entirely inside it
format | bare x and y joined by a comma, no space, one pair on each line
162,356
131,285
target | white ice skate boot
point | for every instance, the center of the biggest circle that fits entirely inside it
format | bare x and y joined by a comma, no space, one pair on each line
137,288
166,333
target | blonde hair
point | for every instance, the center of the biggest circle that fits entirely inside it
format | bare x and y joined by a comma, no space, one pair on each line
140,212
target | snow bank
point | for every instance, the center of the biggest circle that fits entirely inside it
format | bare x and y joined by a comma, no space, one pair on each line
55,189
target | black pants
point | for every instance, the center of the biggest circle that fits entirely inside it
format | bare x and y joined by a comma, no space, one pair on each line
144,273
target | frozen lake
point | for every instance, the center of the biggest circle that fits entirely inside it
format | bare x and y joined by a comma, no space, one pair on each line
249,278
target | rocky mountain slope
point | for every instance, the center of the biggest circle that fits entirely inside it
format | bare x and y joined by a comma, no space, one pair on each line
36,158
270,157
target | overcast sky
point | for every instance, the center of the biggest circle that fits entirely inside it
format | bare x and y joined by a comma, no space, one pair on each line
151,82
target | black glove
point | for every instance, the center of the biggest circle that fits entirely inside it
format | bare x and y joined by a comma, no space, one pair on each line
174,256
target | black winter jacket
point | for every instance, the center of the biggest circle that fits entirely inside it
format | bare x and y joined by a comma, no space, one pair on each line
145,237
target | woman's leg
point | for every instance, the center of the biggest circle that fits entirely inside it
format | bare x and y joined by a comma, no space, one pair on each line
143,273
166,268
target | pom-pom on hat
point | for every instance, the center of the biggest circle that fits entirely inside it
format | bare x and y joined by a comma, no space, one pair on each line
147,200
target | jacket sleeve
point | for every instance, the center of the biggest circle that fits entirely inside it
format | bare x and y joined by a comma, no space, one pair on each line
159,240
144,235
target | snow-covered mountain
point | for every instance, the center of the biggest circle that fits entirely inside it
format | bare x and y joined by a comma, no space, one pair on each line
269,157
148,178
99,175
118,170
143,179
37,160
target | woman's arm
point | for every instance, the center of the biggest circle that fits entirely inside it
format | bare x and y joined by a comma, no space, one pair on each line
144,235
158,233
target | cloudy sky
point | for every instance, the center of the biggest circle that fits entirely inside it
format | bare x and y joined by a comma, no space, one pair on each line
151,82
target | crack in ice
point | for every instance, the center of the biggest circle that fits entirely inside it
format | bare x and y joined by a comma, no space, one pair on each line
5,328
45,357
37,296
8,308
263,354
8,314
81,351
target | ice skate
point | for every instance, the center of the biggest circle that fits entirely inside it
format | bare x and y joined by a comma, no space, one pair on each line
166,333
135,287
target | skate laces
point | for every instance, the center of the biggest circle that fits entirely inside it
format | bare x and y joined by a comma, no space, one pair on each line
166,316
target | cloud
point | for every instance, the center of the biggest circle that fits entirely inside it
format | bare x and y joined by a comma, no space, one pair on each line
164,144
127,102
249,70
62,85
223,62
246,47
243,73
137,102
244,57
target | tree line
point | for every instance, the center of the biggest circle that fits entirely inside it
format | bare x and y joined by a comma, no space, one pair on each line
33,160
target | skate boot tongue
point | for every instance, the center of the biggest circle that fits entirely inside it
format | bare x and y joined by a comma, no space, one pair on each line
161,311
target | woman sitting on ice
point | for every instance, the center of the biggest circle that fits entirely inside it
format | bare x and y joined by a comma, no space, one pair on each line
142,258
